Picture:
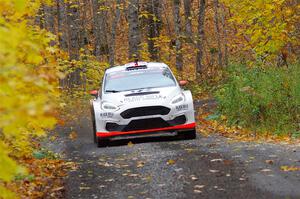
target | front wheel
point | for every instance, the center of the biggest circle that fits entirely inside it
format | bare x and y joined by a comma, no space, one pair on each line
189,135
102,142
94,125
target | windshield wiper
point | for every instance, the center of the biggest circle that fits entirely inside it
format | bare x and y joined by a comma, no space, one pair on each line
140,88
112,91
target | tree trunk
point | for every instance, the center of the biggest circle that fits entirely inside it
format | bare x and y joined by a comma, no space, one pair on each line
62,24
84,38
177,24
49,18
134,29
100,28
200,40
154,27
113,34
188,18
74,37
224,35
217,30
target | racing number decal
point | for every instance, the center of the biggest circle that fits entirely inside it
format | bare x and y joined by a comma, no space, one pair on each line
182,107
107,115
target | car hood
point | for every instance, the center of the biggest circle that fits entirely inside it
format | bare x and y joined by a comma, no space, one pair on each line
142,96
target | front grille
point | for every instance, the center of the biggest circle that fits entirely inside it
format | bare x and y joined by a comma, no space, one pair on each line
145,111
142,124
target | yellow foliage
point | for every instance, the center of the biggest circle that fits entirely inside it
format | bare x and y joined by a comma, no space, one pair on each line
267,26
28,82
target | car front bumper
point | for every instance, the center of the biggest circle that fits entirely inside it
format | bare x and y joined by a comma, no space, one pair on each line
139,119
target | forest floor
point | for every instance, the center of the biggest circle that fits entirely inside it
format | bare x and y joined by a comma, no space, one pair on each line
210,166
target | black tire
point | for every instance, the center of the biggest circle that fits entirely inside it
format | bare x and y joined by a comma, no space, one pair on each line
102,142
189,135
94,125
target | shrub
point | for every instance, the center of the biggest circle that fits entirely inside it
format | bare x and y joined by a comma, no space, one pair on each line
263,99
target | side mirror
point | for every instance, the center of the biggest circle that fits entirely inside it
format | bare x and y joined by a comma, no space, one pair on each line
94,93
183,82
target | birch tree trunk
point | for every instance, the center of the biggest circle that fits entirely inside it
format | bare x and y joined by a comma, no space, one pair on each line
188,18
134,29
200,39
154,8
217,30
177,24
113,34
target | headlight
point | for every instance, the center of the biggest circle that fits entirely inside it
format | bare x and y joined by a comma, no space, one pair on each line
177,99
106,106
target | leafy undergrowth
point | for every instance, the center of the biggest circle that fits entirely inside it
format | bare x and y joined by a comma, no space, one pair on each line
43,179
262,99
208,122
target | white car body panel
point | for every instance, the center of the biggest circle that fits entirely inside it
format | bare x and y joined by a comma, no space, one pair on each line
162,97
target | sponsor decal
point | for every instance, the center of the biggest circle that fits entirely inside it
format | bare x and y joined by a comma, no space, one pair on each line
143,98
182,107
106,115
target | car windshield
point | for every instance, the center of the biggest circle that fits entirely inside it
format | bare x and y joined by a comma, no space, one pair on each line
138,79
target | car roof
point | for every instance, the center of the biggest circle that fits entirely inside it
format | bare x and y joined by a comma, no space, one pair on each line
132,64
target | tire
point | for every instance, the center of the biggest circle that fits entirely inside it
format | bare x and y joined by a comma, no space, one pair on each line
94,124
189,135
102,142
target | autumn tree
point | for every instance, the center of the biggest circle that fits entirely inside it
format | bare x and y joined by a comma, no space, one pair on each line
267,28
217,30
28,82
188,17
200,39
134,37
154,25
114,26
100,29
178,32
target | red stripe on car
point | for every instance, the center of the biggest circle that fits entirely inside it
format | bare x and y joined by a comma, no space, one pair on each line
116,133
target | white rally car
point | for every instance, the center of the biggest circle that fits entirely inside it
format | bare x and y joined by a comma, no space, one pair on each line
141,99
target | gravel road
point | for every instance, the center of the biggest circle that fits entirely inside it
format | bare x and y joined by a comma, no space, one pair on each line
207,167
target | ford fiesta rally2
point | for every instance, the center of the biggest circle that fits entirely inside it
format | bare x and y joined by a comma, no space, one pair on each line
141,99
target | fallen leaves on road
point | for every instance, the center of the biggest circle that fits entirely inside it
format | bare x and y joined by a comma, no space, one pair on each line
197,191
130,144
269,161
73,135
171,162
290,168
266,170
213,171
199,186
140,164
44,178
216,160
190,150
193,177
84,188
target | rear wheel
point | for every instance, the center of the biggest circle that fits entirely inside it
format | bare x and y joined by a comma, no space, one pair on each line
189,135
